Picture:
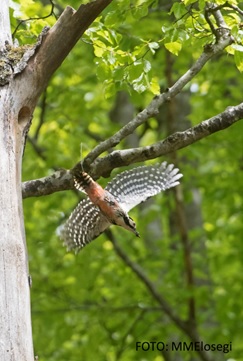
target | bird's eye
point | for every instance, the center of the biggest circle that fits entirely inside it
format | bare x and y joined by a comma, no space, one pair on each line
132,223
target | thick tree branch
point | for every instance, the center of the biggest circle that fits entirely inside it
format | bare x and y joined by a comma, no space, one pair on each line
153,108
47,64
40,61
62,180
178,140
70,26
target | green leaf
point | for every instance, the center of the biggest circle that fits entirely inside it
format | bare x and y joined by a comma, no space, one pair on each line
178,9
239,60
118,74
154,86
134,71
219,2
110,89
112,18
237,47
139,87
139,11
201,4
140,84
146,66
78,108
103,71
152,46
99,48
173,47
189,2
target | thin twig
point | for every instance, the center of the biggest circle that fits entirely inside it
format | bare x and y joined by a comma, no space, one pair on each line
42,114
153,108
118,158
35,18
183,231
236,8
39,150
129,331
147,282
63,180
179,209
188,329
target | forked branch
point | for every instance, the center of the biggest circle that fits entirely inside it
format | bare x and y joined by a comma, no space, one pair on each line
62,180
153,108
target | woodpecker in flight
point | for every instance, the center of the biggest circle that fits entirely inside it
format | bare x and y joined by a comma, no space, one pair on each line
108,206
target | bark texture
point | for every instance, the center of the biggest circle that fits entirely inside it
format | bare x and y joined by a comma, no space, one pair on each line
22,80
15,325
62,180
15,321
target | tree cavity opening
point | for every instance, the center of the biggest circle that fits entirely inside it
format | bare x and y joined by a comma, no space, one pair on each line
24,116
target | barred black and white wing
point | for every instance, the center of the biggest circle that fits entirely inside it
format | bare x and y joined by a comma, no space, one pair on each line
136,185
85,223
110,206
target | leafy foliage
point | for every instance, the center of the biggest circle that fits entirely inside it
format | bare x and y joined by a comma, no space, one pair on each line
91,305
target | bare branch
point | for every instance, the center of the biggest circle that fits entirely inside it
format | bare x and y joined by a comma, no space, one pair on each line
153,108
187,249
43,105
178,140
189,330
39,150
150,286
122,343
62,180
41,60
236,8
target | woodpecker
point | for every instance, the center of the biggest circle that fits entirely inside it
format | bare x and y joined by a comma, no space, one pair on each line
105,201
111,205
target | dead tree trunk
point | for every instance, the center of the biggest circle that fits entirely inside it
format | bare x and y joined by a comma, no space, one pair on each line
15,321
22,80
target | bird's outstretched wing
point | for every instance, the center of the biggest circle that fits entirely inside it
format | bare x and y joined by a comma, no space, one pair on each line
129,188
136,185
85,223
